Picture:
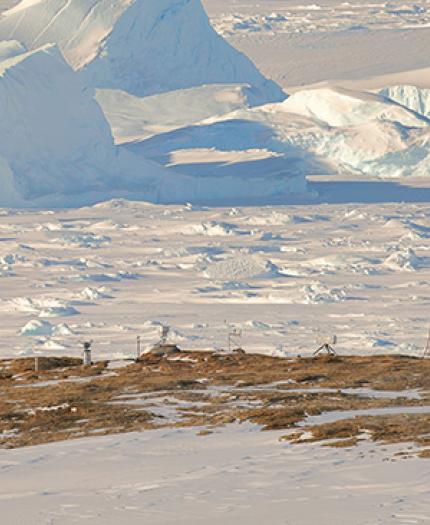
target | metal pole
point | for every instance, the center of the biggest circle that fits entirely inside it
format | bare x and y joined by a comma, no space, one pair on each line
138,347
427,348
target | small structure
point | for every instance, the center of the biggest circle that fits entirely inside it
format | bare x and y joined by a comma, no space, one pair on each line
87,353
163,347
326,345
167,349
235,340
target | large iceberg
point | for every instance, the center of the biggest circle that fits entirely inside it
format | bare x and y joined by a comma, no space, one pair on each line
57,149
314,132
143,47
55,143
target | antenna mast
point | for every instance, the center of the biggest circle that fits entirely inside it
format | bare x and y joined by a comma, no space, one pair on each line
234,339
427,347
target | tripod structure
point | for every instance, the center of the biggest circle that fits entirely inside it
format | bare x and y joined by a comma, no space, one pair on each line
326,345
325,348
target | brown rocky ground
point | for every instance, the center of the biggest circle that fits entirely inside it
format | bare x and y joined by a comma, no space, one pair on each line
66,400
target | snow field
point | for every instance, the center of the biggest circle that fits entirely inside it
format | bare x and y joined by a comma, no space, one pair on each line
282,274
236,474
320,17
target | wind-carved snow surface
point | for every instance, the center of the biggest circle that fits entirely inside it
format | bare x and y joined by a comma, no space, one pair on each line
139,46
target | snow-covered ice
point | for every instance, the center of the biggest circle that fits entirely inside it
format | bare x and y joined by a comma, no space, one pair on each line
301,42
281,273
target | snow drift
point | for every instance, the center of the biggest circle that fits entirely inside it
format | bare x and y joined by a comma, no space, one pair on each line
140,46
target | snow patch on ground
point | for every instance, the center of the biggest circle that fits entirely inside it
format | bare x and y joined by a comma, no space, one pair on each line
237,474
